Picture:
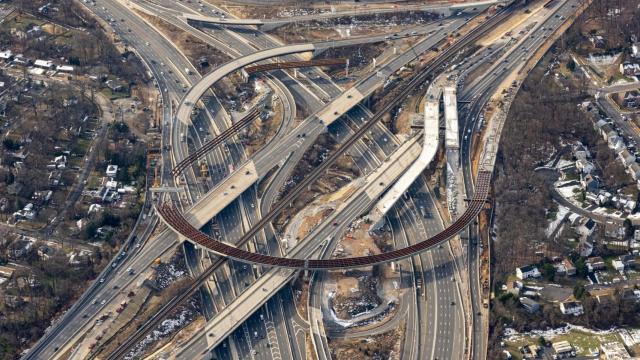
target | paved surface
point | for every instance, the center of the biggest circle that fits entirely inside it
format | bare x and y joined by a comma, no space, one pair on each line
479,93
266,286
358,11
429,149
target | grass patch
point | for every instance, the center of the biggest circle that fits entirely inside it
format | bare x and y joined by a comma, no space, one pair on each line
82,146
22,23
113,95
93,182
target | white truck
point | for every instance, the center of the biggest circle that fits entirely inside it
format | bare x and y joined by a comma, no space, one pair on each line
188,71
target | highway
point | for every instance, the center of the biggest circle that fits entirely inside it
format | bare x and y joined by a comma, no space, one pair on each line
479,93
232,216
274,279
268,24
272,187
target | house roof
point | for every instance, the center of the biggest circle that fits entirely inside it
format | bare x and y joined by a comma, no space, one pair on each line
595,259
590,224
571,304
527,268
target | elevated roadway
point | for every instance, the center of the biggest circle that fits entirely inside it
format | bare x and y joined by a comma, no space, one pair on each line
429,149
455,48
451,118
252,170
268,24
274,279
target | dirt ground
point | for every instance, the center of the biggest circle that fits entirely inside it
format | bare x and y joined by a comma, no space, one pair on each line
261,131
335,29
383,346
258,9
339,174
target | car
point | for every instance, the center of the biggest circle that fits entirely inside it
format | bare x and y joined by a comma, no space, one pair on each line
138,245
335,223
453,303
113,265
103,302
101,280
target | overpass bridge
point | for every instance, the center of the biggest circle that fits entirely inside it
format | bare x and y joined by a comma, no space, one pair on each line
176,221
429,149
444,9
303,135
267,285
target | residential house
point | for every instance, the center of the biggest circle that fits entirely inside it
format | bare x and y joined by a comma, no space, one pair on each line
581,152
607,131
65,68
626,157
585,247
6,55
585,166
629,261
614,230
112,170
618,265
603,59
569,267
21,60
595,263
530,305
634,171
599,125
527,272
587,228
54,178
560,269
631,99
574,308
44,64
613,139
614,351
6,272
589,183
563,349
630,69
618,145
28,212
114,85
19,248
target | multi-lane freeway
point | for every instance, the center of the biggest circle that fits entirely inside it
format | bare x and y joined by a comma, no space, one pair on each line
231,197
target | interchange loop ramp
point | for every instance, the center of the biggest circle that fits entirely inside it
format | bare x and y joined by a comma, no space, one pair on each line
174,219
